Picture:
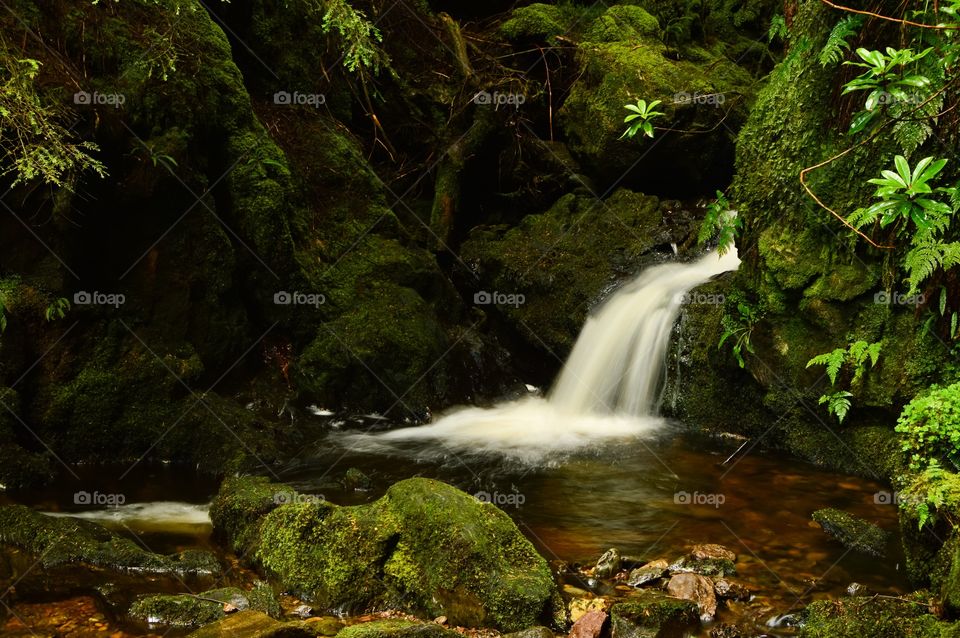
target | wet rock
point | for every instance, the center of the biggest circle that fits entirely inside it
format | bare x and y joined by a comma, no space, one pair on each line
707,560
695,588
253,624
354,479
303,611
860,617
532,632
192,611
852,532
608,564
730,589
590,625
856,589
579,607
726,631
397,629
424,547
652,615
67,554
648,573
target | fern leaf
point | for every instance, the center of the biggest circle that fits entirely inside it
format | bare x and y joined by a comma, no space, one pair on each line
837,42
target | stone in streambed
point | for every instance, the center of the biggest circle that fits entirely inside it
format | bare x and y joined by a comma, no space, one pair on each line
608,564
697,589
424,547
648,573
590,625
254,624
652,615
852,532
193,611
728,589
397,629
579,607
532,632
707,560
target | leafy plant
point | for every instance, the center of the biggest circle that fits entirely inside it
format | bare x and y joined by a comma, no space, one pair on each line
360,38
33,143
778,28
910,203
641,118
739,330
930,425
57,310
886,80
721,222
855,357
837,42
932,495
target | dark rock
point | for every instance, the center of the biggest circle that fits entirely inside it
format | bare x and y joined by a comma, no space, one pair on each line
707,560
424,547
193,611
726,631
354,479
853,532
608,564
695,588
590,625
648,573
652,615
730,589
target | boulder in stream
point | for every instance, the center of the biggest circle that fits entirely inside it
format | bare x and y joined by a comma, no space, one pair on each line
648,573
424,547
652,615
697,589
608,564
852,532
196,610
254,624
707,560
590,625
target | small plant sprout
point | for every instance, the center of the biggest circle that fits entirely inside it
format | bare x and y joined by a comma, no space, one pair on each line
641,118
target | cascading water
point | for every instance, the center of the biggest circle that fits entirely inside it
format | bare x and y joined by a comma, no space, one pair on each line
608,389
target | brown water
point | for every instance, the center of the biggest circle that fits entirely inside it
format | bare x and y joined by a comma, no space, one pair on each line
628,494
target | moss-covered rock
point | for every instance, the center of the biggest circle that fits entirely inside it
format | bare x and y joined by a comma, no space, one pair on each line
424,546
397,629
254,624
875,617
852,532
552,268
653,614
197,610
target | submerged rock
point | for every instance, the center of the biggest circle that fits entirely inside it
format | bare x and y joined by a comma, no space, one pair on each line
652,615
398,629
853,532
730,589
695,588
425,547
193,611
254,624
590,625
648,573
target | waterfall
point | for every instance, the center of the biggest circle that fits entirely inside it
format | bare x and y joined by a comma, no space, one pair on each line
608,389
618,363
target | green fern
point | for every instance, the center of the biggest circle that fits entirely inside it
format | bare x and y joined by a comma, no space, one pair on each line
832,52
838,404
778,28
833,360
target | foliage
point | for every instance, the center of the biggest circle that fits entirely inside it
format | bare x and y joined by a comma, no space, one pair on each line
855,358
837,42
930,425
739,329
887,81
33,143
641,116
57,310
360,38
914,208
778,28
932,495
3,313
721,222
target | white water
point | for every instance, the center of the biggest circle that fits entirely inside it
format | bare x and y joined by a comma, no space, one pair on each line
157,516
608,389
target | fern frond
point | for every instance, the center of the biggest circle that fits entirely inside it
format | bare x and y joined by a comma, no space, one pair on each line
832,51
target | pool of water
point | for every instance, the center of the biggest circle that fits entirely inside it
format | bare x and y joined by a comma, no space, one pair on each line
649,497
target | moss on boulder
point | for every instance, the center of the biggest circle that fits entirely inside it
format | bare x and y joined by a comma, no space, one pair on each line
254,624
397,629
653,614
197,610
852,532
875,617
424,546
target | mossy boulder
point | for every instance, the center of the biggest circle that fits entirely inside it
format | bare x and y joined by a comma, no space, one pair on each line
853,532
557,265
197,610
859,616
653,614
424,546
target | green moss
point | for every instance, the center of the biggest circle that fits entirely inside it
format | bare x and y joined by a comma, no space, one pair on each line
875,617
253,624
621,23
652,614
424,546
852,532
397,629
191,611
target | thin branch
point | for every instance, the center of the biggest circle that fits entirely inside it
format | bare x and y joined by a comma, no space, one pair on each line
903,21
